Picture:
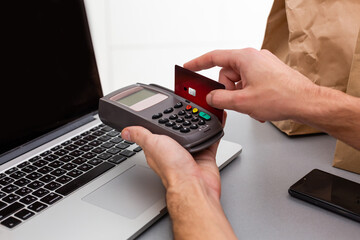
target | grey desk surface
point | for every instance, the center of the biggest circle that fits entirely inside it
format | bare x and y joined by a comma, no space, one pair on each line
255,185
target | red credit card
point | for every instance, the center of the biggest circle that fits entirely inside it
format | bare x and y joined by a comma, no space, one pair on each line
194,87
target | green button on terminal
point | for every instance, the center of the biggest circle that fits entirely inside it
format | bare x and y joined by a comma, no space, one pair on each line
205,116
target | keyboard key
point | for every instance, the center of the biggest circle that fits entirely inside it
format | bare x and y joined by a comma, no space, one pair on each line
56,164
113,151
51,158
71,147
40,163
29,169
54,149
117,159
2,175
86,148
85,167
18,175
89,138
116,140
22,182
94,161
51,198
69,166
108,145
85,133
85,178
66,158
63,179
52,186
113,134
23,191
98,133
10,198
137,149
37,206
104,156
45,170
80,142
122,145
58,172
41,192
104,138
23,164
11,222
2,204
45,153
66,143
10,188
24,214
99,150
34,175
89,155
61,152
10,210
28,199
11,170
2,194
76,153
74,173
47,178
79,160
35,185
107,129
5,181
95,143
76,138
127,153
34,159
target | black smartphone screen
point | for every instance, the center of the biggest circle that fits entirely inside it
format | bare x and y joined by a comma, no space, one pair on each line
329,191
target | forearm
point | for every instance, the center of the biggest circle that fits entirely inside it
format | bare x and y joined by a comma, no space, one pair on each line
334,112
196,214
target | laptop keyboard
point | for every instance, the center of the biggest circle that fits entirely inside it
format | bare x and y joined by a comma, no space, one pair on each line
39,182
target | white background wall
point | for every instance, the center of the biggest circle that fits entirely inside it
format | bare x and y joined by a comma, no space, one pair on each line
142,40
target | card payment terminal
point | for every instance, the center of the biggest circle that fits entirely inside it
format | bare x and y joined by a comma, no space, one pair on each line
162,112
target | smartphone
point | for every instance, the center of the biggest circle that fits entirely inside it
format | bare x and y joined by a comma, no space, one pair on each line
328,191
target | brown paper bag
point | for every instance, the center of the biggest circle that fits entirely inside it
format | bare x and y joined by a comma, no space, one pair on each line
317,38
347,157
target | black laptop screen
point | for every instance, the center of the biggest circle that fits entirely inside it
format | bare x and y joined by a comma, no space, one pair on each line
50,76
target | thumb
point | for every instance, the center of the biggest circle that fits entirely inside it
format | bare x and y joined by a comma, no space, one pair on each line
137,134
226,99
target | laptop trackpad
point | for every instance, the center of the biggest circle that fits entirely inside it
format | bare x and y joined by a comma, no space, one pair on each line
130,193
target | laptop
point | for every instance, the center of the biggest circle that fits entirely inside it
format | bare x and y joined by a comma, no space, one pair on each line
63,173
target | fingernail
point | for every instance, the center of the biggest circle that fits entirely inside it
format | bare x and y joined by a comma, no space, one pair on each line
209,99
125,134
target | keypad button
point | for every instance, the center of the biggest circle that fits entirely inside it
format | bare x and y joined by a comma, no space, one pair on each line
178,105
177,127
173,117
169,124
180,120
195,119
195,110
11,222
185,130
205,116
156,116
168,110
194,126
37,206
186,123
188,108
188,116
181,113
163,120
201,122
24,214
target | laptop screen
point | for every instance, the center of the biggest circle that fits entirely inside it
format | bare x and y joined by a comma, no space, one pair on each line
49,75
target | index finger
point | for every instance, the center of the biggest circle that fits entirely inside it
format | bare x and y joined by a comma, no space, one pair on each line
211,59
